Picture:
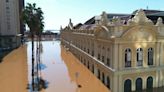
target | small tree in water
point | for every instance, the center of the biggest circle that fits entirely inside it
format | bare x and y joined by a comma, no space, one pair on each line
32,16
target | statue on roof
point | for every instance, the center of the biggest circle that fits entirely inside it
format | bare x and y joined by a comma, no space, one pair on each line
70,25
140,17
159,22
104,18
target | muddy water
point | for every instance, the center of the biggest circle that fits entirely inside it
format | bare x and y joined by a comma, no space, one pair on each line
13,71
59,70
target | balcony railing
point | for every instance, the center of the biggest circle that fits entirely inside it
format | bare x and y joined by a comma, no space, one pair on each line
128,64
139,63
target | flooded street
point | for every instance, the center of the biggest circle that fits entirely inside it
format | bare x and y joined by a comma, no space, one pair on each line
61,71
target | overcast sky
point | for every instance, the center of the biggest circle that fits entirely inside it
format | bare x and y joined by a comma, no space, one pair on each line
58,12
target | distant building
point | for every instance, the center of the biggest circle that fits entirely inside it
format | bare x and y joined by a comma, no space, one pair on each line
11,27
125,51
46,35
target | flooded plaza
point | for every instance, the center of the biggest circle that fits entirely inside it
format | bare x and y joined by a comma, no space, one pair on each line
59,69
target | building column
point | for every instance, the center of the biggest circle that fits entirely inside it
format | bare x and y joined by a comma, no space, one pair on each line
133,84
157,54
115,83
157,78
144,84
115,56
121,84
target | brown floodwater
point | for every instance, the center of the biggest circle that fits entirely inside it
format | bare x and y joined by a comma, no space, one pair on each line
60,70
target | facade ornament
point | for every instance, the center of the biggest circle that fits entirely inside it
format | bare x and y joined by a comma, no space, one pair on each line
159,22
141,18
70,24
129,22
97,20
116,21
104,18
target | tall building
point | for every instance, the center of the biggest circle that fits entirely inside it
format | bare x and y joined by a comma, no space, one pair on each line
124,51
10,25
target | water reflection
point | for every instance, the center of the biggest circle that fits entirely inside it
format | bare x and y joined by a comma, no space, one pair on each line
53,70
37,82
85,80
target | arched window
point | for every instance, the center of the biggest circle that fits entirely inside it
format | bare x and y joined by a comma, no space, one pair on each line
150,56
127,85
103,78
149,82
139,84
139,56
108,82
128,57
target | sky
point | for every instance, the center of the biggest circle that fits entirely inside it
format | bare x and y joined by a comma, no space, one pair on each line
58,12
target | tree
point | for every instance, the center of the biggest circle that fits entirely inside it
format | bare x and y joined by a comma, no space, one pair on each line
32,16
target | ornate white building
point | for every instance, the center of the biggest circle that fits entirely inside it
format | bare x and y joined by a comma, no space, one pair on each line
10,24
125,51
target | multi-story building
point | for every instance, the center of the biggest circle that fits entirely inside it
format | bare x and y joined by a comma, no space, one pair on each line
125,51
11,26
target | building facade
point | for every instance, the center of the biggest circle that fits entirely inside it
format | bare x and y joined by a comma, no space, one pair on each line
11,26
125,51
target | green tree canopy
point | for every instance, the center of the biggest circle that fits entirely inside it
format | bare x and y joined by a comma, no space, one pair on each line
33,17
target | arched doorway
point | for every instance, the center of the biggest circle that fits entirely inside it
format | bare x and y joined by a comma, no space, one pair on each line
127,85
98,73
108,82
88,65
149,82
93,68
103,78
139,84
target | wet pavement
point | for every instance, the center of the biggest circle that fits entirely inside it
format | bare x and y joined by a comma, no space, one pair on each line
60,70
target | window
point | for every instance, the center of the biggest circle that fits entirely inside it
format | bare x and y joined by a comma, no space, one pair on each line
138,84
88,65
149,82
108,62
98,73
139,56
103,78
150,56
103,59
128,57
93,68
84,48
108,82
98,56
7,1
92,53
127,85
88,51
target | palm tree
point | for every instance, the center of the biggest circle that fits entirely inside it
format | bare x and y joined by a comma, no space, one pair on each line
32,16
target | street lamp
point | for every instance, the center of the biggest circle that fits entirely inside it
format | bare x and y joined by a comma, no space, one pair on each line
77,75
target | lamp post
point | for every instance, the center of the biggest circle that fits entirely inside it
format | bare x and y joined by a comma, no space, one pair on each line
77,75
